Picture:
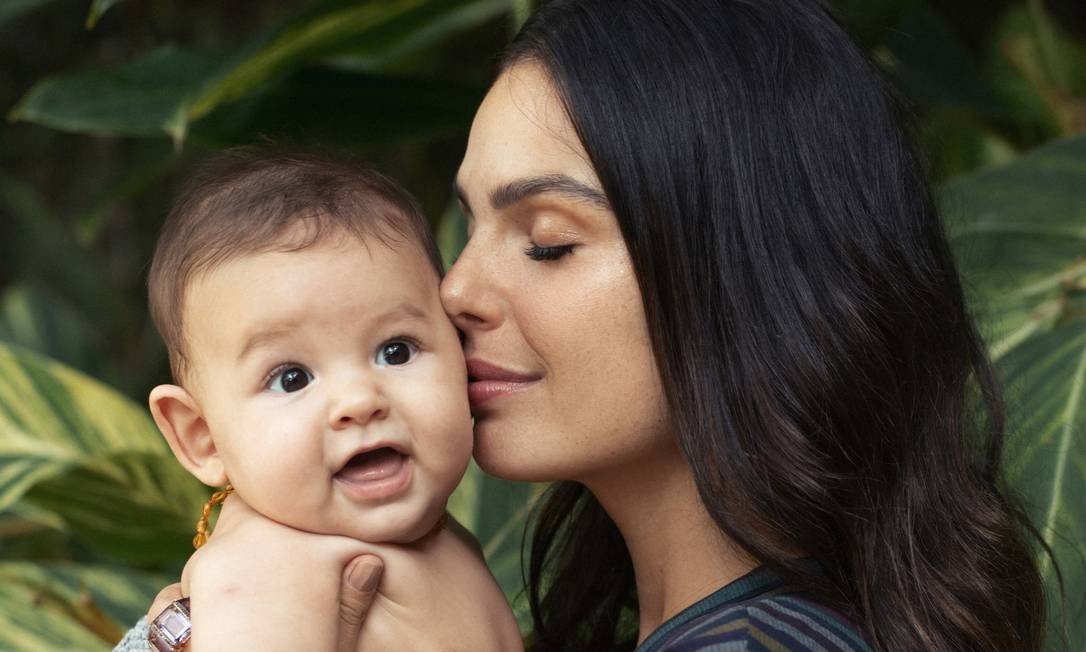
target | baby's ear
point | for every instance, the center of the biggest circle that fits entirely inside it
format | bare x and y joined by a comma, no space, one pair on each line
183,425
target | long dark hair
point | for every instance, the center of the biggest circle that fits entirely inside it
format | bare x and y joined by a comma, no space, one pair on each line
829,388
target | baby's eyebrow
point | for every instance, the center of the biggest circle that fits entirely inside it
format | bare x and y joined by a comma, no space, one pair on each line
262,338
403,310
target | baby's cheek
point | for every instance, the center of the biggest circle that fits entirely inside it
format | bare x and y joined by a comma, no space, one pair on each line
447,452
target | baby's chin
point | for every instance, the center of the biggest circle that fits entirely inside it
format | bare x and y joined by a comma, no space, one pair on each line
389,523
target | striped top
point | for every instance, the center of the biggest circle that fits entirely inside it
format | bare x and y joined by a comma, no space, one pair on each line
756,612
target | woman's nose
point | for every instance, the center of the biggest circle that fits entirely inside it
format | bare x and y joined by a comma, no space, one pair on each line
468,293
358,402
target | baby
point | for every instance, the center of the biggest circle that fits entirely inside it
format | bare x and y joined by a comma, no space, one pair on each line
316,371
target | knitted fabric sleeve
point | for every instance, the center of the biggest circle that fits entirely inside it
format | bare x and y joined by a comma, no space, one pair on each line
136,639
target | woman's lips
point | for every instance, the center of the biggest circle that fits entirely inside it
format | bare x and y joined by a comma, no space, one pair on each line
487,381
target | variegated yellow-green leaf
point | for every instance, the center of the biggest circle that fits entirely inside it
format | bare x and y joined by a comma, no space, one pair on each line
67,606
91,456
1020,234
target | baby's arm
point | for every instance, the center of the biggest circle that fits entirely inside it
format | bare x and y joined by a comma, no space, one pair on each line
258,584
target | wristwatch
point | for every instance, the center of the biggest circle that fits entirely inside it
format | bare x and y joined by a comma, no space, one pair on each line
170,630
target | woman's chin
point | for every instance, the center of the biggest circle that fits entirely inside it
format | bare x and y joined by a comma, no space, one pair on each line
517,465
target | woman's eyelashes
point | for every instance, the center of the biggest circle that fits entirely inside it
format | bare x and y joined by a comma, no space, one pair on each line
537,252
288,378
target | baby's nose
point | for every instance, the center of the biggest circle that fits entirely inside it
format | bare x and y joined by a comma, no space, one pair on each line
358,403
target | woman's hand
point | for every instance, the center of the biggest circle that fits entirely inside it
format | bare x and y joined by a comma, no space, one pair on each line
249,550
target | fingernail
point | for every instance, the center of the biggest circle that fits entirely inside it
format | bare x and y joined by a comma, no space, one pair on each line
365,573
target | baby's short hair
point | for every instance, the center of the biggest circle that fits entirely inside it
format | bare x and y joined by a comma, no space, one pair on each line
250,200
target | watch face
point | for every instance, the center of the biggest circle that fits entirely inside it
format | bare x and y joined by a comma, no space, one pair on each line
172,628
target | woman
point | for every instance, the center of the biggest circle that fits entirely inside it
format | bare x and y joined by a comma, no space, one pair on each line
707,292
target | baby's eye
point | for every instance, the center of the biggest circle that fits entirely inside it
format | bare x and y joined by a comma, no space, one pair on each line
289,379
396,352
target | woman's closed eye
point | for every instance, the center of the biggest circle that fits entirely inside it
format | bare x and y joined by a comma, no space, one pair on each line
396,352
288,378
537,252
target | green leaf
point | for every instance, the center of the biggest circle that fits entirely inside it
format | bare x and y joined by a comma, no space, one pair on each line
98,9
64,606
165,91
414,31
314,35
1020,232
31,533
36,319
93,458
144,97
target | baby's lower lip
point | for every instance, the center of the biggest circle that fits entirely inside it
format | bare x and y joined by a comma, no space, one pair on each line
378,483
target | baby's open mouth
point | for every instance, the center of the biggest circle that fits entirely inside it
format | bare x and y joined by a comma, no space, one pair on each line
373,465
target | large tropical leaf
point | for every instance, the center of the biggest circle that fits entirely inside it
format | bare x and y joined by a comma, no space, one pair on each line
82,451
144,97
1020,234
65,606
166,90
30,533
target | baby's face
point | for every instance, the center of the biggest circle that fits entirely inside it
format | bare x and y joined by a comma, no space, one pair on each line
333,385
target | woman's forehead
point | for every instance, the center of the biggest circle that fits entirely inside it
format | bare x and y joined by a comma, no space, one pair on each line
522,131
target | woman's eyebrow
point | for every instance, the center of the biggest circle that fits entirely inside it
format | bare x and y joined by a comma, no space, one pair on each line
518,190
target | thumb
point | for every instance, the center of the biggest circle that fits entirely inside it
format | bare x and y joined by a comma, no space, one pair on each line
357,589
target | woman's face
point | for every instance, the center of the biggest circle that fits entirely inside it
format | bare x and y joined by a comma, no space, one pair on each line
562,380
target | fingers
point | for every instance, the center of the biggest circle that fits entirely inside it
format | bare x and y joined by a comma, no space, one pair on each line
163,600
358,587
